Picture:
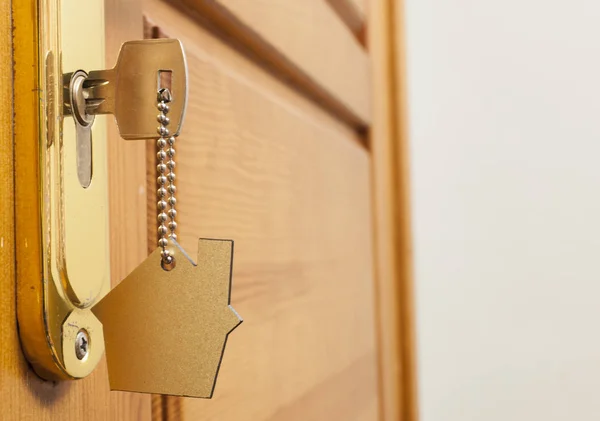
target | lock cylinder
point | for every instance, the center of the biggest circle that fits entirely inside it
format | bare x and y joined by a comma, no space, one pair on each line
76,104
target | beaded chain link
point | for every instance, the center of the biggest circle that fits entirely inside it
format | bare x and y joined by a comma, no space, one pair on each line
166,179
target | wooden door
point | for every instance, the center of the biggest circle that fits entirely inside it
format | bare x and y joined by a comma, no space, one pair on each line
291,148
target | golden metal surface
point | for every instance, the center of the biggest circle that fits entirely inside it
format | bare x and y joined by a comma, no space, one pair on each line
165,331
83,251
62,228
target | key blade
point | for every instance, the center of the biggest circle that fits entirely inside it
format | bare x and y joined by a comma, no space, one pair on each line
129,90
165,331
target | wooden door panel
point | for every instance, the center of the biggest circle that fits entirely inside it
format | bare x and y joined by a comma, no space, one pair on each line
305,40
259,163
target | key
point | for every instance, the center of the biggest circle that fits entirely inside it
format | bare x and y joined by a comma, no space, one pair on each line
129,89
128,92
166,324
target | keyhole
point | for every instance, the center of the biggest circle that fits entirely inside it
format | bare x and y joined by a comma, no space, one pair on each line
83,125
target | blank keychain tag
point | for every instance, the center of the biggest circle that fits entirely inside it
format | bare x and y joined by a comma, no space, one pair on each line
165,331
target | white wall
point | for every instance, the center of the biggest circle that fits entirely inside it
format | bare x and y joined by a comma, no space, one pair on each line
505,150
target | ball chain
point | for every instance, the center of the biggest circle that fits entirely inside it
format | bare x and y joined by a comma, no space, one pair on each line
166,179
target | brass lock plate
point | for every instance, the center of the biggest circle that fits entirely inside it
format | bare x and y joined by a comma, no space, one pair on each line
62,225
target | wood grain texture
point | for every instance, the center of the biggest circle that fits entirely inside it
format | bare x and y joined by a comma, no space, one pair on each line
24,395
303,41
389,146
291,185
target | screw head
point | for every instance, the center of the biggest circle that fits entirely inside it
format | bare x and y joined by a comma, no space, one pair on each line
82,345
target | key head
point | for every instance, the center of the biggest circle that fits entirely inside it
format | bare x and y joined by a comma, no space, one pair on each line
129,91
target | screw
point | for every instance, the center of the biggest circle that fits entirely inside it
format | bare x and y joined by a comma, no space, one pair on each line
82,345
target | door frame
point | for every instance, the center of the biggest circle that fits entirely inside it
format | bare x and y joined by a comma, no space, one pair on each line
392,213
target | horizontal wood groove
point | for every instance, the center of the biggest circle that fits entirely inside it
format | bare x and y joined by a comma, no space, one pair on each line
349,103
352,15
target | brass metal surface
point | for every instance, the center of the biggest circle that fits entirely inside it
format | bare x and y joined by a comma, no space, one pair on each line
62,228
165,331
83,247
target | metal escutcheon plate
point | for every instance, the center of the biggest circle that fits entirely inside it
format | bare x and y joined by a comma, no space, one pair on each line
62,226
